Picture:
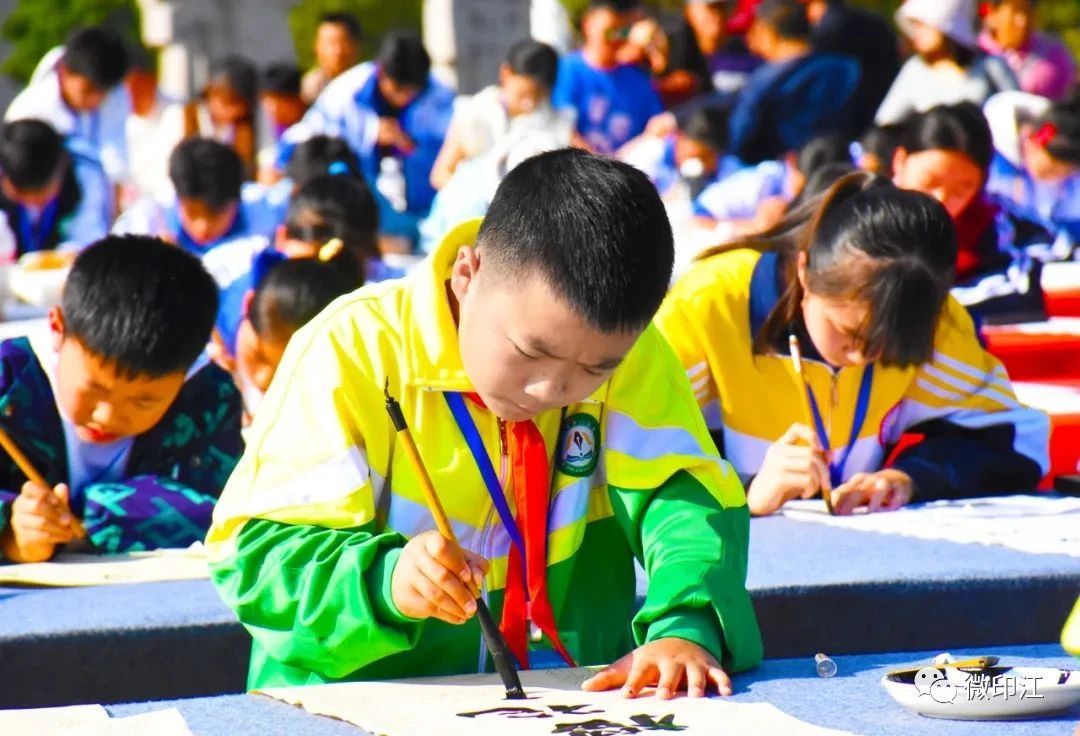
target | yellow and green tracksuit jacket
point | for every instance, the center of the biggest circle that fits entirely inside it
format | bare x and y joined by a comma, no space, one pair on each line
1070,635
979,439
311,524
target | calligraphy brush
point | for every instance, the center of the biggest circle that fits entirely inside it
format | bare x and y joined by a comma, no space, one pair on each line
32,474
804,394
500,652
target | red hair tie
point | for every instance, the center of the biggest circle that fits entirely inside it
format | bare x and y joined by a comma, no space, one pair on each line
1045,135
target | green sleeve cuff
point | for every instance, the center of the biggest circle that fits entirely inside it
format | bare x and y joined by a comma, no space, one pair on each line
381,575
699,626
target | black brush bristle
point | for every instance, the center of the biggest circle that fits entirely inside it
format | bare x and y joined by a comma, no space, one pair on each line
500,652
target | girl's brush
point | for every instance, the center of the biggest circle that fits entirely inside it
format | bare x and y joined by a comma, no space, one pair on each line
808,414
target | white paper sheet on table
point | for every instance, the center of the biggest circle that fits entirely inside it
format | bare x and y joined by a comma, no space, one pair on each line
453,707
1026,523
156,723
77,570
90,720
37,721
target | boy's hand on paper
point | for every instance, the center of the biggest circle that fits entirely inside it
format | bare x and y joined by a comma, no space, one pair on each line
434,578
794,467
40,520
885,490
670,665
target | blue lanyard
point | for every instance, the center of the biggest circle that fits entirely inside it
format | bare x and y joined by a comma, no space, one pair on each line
34,236
862,405
465,423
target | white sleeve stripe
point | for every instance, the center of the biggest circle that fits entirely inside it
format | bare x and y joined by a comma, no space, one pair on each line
698,370
999,392
959,398
327,482
980,377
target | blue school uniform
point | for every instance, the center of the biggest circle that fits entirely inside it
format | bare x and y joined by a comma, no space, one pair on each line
737,196
1003,282
664,172
1055,206
78,216
612,105
350,108
257,216
100,132
465,197
784,105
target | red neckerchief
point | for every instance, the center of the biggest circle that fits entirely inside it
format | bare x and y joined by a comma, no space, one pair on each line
971,226
527,599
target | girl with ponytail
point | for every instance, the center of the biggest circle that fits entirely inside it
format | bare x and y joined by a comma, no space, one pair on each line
858,279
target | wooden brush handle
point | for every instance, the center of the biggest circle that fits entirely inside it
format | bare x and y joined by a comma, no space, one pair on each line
32,474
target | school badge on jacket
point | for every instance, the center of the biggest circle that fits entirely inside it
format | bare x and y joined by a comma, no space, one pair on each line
578,450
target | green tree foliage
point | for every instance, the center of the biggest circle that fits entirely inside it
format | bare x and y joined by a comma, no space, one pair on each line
376,17
35,26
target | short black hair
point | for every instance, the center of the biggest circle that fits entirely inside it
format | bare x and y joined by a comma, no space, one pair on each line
822,150
347,21
140,304
708,125
619,6
32,154
207,171
403,58
593,228
97,53
881,141
282,78
292,293
787,17
961,127
329,206
141,59
322,154
818,182
534,60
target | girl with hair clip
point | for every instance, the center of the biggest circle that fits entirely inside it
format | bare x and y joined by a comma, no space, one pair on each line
326,208
288,293
1036,169
858,278
946,152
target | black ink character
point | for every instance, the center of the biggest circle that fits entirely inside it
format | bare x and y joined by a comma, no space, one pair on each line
595,727
507,712
648,723
573,710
